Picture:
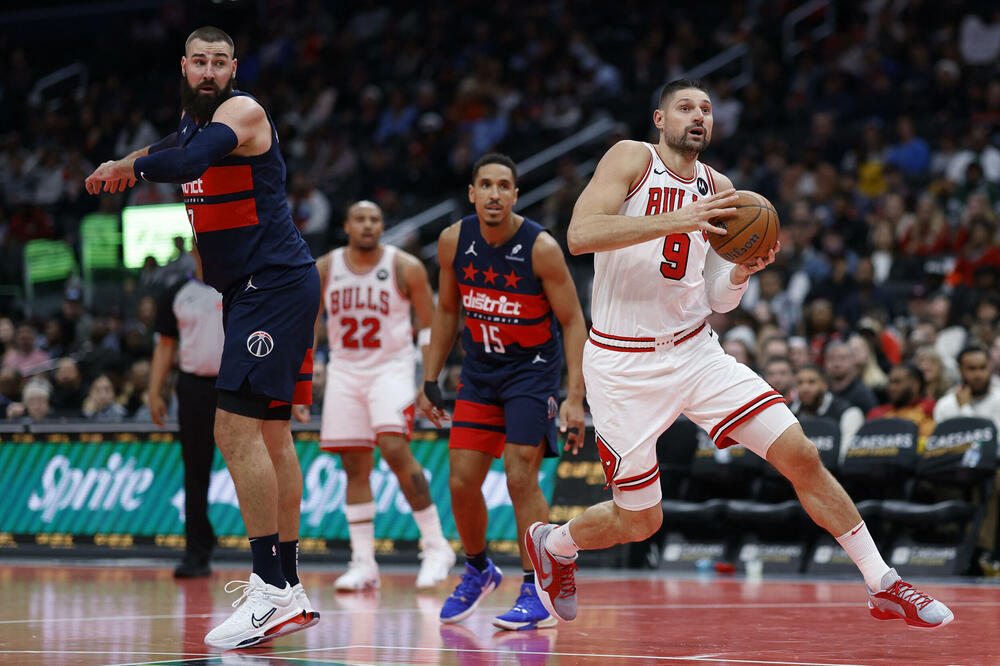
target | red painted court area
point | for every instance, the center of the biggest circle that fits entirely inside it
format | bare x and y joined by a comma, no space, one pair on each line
59,614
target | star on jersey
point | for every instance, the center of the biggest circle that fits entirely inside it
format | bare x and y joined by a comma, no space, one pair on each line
470,272
512,279
472,249
490,276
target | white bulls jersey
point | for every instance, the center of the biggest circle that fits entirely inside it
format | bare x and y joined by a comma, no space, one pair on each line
367,317
654,288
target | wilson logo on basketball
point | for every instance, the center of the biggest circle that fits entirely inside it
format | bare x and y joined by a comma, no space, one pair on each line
260,343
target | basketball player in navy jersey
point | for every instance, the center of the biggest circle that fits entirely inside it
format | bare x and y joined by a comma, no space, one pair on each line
512,281
225,156
645,215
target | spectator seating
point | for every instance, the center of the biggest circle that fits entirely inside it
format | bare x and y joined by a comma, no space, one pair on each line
936,526
878,465
773,525
694,525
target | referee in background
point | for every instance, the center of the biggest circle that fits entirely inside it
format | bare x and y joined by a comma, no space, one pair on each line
190,312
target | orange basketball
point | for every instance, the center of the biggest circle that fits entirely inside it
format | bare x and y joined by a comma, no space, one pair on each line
751,231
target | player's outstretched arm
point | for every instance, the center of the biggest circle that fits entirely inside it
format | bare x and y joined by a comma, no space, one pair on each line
239,125
550,267
444,328
118,175
596,225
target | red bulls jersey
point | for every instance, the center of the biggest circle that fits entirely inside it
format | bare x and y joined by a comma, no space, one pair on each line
507,316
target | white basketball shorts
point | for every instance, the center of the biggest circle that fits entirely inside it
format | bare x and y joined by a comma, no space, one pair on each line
359,405
635,396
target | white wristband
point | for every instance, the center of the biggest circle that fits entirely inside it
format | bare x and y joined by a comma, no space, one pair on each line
424,337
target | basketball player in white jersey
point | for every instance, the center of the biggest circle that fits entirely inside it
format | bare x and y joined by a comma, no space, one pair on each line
645,215
369,290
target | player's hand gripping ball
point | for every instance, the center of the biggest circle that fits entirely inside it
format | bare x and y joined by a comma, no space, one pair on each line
751,231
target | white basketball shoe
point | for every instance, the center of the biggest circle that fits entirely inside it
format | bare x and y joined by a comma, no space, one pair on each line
262,613
437,559
360,575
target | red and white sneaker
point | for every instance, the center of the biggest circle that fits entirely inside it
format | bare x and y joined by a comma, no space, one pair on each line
899,600
555,577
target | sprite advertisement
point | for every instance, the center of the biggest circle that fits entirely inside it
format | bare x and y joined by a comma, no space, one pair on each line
131,485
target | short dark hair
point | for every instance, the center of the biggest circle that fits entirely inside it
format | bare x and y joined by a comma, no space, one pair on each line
680,84
494,158
971,349
914,372
779,359
209,33
817,369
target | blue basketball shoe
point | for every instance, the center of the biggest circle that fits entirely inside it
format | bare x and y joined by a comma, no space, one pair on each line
527,612
474,587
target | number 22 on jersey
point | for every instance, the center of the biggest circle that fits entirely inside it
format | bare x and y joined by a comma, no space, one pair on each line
369,337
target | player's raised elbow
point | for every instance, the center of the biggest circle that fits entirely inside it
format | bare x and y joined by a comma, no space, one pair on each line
575,240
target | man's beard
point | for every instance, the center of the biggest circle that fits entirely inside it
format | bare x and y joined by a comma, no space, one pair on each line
685,144
200,106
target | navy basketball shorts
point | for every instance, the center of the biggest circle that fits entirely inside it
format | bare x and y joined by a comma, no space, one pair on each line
268,321
516,403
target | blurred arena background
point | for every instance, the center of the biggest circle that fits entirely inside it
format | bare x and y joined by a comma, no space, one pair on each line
873,127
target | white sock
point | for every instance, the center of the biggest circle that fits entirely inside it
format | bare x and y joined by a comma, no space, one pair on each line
560,542
861,548
361,527
430,525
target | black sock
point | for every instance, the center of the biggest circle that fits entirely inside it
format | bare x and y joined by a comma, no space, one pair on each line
529,576
290,561
266,561
478,560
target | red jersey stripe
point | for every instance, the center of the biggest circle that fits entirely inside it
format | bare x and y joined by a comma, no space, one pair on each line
642,180
721,437
737,412
711,181
618,337
227,180
303,393
517,306
621,349
307,363
221,216
475,412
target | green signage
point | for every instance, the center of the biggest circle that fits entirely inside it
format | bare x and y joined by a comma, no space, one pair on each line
131,484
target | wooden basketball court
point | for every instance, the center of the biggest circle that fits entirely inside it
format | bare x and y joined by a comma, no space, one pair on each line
60,614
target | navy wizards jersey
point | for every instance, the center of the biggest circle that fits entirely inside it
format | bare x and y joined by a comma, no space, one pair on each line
239,212
507,316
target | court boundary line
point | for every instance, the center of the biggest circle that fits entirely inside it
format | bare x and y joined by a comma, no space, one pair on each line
286,655
344,611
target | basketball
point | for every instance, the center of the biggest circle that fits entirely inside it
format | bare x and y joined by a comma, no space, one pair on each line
751,231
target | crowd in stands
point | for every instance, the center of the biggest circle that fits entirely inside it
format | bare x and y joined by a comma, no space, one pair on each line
879,146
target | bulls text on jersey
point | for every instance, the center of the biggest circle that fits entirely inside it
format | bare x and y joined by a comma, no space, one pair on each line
358,298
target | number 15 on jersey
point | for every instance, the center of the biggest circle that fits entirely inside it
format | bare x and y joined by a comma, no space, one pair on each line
491,339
